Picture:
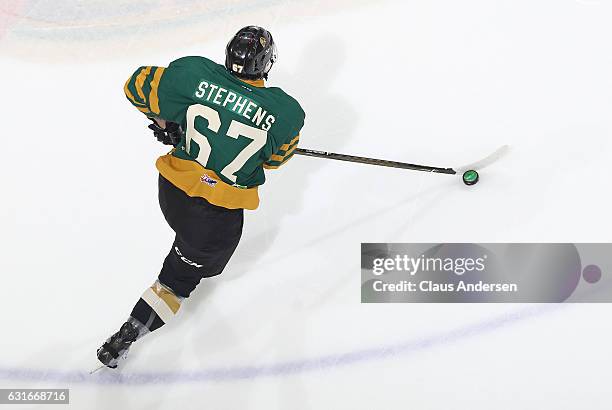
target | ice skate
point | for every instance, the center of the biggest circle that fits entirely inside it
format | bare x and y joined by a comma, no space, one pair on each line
115,349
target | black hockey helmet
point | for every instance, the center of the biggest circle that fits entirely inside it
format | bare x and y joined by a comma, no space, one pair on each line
250,53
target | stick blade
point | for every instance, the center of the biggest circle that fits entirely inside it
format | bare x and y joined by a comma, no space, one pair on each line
486,161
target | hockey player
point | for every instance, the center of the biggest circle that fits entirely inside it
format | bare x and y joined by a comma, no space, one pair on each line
226,127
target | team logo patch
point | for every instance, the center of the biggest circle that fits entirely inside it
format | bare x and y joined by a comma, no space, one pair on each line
208,180
263,41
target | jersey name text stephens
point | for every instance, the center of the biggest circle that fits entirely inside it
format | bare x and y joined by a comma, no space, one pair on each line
237,103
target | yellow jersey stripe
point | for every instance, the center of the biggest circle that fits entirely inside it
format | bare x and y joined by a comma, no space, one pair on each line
153,97
129,94
276,163
256,83
285,147
187,176
290,151
140,79
282,158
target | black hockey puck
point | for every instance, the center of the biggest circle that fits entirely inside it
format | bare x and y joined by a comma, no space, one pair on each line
470,177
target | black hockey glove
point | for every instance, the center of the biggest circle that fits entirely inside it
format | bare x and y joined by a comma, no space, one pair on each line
171,135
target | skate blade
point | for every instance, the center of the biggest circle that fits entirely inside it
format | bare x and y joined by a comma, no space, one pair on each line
96,369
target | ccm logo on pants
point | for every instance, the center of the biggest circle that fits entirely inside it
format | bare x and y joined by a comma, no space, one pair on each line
184,259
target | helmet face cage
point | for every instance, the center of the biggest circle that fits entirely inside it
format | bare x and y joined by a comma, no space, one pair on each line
251,53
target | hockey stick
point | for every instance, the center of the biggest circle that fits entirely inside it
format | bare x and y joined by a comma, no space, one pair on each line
403,165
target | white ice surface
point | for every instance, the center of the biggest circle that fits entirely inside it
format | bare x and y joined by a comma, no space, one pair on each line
440,82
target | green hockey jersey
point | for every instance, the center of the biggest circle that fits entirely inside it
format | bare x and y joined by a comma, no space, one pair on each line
233,128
